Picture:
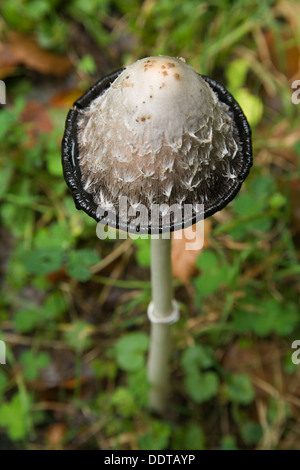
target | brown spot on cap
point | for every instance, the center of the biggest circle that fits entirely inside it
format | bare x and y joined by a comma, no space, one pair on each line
165,73
170,65
177,76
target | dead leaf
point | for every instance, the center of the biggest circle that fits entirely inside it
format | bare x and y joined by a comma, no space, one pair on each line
186,248
36,115
66,98
55,434
290,66
19,49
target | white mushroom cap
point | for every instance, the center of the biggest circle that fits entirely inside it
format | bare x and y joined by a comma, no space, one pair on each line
160,135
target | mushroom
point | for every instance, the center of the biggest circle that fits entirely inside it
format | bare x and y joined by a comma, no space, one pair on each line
156,139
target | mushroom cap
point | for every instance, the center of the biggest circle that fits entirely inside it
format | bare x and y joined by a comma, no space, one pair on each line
155,135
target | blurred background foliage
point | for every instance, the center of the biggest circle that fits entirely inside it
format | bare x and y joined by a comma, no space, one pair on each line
72,307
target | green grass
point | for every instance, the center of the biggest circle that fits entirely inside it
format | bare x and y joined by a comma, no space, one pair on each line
73,307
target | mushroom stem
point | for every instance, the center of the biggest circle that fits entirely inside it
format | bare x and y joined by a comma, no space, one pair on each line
161,276
161,315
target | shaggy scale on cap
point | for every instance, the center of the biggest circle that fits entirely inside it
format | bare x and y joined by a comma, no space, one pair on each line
158,133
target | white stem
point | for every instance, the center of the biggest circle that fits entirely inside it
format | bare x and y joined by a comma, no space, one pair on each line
160,336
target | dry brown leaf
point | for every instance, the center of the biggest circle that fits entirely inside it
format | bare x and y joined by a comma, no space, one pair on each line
24,50
66,98
183,258
36,115
55,435
291,64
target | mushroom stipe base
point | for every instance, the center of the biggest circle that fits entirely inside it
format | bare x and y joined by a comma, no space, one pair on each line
84,200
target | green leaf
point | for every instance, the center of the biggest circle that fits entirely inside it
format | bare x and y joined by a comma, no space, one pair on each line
13,417
277,201
259,323
239,389
247,205
236,73
25,320
268,316
87,64
263,186
5,176
54,165
104,369
210,282
78,335
207,261
32,363
239,232
157,439
130,351
139,386
188,437
79,262
56,235
251,432
251,104
124,402
3,383
143,254
17,219
199,356
8,119
213,274
263,224
53,307
43,261
201,386
228,443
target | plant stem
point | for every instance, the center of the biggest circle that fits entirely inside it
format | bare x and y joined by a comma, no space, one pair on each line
160,335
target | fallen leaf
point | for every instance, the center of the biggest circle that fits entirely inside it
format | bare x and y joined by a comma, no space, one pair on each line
19,49
35,114
66,98
186,248
290,66
55,433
